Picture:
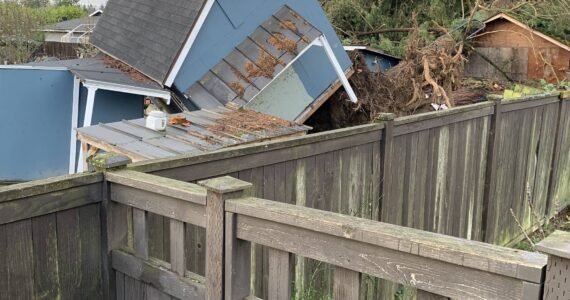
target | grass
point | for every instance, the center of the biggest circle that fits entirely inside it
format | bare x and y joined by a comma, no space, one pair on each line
560,222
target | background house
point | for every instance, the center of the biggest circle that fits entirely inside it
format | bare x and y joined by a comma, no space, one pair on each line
520,52
76,31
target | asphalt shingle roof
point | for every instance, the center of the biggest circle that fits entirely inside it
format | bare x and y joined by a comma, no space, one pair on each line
96,69
146,34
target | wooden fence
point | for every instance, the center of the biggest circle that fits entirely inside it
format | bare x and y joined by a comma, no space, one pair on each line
470,172
436,264
50,239
458,172
88,237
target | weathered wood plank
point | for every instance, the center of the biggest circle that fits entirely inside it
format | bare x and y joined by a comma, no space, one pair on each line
177,255
3,264
119,286
528,102
346,284
279,275
20,260
188,287
489,258
304,146
46,281
489,214
406,128
46,186
90,239
443,278
140,233
159,185
50,202
69,253
237,262
173,208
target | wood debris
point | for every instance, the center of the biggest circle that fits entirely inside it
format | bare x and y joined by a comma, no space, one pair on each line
133,73
280,42
245,120
179,120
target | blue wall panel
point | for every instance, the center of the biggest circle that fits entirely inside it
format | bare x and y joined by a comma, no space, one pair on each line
111,106
219,36
35,123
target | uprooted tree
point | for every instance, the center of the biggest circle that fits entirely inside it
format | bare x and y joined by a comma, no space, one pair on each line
431,70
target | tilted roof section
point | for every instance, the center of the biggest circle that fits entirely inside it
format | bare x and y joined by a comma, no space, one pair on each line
146,34
205,131
254,63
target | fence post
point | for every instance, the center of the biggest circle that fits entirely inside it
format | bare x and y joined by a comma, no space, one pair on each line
110,237
219,190
491,172
386,158
557,281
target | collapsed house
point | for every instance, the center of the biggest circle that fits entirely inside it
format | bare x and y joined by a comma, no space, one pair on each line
280,58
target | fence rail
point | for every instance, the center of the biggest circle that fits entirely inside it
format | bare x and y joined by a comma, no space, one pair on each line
438,264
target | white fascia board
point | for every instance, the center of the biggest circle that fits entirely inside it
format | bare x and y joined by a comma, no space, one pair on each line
109,86
188,44
26,67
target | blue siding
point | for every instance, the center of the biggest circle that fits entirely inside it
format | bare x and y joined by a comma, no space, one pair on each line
219,36
36,123
385,62
111,106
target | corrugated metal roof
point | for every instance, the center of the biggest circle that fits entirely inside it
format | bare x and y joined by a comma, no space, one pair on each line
96,69
146,34
254,63
208,130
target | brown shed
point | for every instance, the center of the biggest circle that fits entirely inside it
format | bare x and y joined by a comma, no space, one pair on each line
522,53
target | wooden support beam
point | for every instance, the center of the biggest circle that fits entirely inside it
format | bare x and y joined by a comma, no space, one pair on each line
386,154
177,257
219,190
346,284
279,275
491,173
237,262
140,228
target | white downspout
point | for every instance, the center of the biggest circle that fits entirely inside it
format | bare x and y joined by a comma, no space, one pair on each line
74,122
91,91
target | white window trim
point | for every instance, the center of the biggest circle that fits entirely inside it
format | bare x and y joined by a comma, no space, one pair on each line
189,43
